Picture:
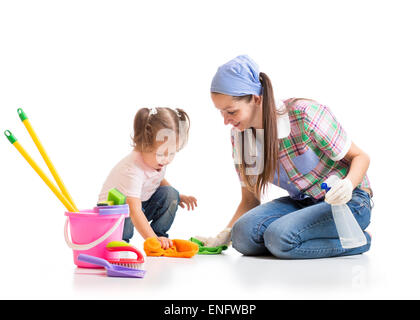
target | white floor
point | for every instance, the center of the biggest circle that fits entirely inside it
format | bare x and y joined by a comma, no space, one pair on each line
232,276
36,263
49,275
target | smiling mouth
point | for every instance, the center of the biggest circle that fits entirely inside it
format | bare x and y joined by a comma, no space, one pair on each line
237,124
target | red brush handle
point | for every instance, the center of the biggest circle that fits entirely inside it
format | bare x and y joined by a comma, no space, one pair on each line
127,248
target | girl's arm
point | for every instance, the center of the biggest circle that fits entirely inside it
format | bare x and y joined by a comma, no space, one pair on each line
248,202
141,224
139,219
188,201
164,182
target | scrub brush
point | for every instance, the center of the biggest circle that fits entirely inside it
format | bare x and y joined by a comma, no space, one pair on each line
112,270
123,246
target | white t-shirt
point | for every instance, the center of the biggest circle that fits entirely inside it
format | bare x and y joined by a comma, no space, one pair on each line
133,178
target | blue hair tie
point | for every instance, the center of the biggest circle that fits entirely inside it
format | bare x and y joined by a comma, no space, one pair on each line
238,77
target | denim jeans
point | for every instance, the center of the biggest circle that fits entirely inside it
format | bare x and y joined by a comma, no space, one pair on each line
291,229
160,209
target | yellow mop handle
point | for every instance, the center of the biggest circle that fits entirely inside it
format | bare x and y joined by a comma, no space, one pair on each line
39,171
44,155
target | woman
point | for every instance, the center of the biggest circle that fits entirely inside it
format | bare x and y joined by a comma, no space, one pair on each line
295,145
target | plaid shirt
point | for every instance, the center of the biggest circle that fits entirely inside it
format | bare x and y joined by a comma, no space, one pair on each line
312,150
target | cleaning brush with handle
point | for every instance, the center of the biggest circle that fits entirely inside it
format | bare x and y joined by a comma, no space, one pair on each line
112,270
122,246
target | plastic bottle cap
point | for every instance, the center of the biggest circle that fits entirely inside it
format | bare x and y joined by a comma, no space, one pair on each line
325,186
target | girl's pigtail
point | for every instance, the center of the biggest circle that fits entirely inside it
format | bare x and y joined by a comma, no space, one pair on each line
183,127
143,134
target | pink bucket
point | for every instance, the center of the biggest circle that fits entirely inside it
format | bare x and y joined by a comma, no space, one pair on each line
91,232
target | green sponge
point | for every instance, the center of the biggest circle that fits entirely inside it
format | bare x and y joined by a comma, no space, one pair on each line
208,250
116,196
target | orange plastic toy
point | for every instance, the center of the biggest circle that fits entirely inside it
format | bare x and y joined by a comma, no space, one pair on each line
180,249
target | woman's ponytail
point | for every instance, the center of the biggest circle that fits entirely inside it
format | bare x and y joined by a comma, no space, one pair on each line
271,145
258,184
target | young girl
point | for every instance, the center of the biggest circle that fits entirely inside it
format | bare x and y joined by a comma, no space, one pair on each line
158,134
298,144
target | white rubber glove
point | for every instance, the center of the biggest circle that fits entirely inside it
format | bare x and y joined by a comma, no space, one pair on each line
223,238
340,193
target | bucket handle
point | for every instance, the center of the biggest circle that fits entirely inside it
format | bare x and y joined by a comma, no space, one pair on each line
88,246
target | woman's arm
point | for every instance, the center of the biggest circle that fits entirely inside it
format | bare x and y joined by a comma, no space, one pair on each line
342,191
248,202
359,164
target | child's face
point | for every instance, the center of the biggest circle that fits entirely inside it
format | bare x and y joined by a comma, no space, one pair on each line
161,155
239,113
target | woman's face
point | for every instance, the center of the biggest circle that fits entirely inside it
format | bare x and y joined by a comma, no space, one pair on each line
239,113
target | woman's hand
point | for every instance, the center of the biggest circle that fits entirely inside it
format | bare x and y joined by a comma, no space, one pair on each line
188,201
223,238
165,243
340,193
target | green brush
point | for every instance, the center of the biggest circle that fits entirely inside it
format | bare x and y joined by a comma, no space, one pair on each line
208,250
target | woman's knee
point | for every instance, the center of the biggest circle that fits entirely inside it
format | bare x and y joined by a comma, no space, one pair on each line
243,238
280,239
362,249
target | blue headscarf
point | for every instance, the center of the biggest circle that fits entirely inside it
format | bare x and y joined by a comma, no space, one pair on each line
238,77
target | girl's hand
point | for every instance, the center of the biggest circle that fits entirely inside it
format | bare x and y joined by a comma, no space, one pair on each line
188,201
165,243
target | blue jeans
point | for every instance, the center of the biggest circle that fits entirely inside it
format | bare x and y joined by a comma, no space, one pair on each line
291,229
160,209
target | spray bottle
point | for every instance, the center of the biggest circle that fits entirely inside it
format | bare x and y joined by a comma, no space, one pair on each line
349,231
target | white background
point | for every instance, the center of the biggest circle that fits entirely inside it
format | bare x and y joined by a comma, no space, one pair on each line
81,70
